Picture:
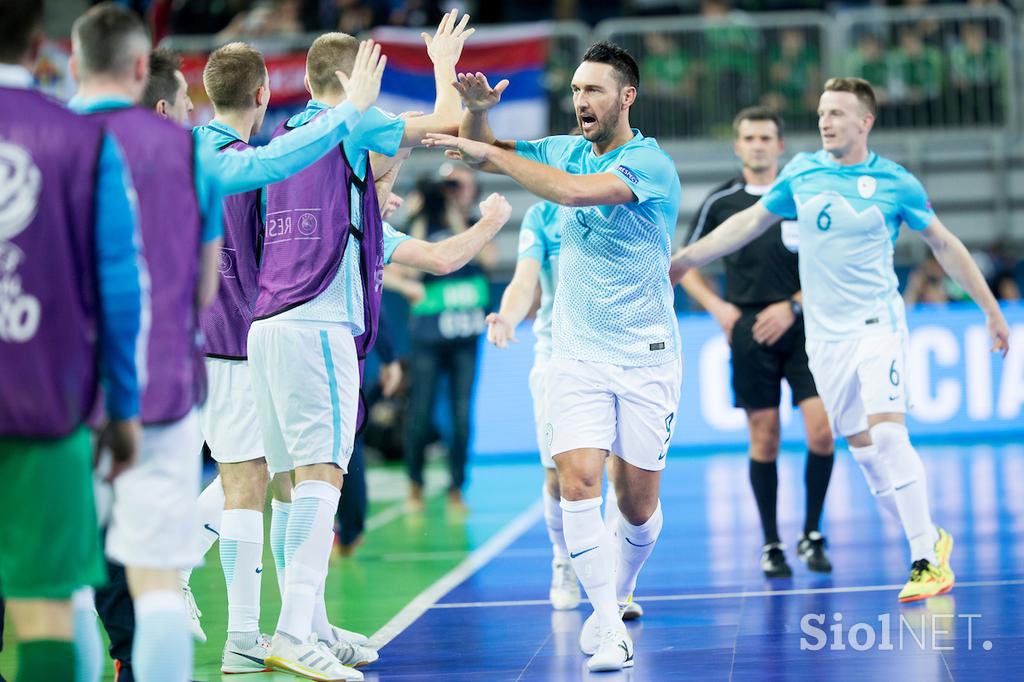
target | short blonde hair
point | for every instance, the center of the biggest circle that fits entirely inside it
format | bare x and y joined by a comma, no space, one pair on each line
233,74
329,53
859,87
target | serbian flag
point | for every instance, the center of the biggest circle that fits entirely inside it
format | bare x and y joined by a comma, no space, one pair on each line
518,53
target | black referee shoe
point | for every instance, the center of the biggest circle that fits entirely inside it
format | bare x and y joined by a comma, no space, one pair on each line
773,561
811,550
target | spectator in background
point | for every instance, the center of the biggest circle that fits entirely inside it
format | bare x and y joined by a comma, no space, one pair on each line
794,73
929,283
868,61
267,18
730,58
201,17
999,264
915,77
445,327
976,72
670,77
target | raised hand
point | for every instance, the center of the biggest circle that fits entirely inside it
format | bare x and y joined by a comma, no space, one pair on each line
477,94
445,47
362,86
496,207
472,152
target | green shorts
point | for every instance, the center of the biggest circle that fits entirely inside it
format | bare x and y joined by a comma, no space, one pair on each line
49,540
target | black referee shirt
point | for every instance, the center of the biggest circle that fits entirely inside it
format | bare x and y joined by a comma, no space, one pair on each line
765,270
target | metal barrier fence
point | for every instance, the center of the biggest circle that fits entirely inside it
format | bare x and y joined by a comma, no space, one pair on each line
934,67
697,73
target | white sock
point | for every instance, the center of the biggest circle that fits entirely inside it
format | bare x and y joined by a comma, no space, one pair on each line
278,528
876,473
307,550
635,544
210,507
611,509
553,520
321,626
162,648
88,645
241,555
590,549
910,488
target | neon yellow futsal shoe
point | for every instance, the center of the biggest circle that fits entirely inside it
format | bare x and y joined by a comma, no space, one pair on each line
926,580
943,548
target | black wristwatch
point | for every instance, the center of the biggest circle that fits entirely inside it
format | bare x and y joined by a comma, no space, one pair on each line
795,306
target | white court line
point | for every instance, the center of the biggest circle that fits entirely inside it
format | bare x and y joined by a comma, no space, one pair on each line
446,583
384,517
727,595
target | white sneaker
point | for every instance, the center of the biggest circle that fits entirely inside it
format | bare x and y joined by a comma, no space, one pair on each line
312,660
349,636
615,652
590,633
349,653
252,660
565,588
194,614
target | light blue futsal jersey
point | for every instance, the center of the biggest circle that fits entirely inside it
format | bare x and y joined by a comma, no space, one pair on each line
613,303
540,238
849,219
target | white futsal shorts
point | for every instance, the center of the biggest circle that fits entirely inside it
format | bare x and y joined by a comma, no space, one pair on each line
155,520
859,377
630,411
305,379
228,418
540,420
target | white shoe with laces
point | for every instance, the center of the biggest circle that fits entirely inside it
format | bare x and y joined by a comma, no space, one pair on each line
590,633
245,660
349,636
194,614
614,652
311,659
349,653
565,588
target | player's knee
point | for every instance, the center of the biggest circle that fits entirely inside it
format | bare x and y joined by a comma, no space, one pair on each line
764,436
574,485
893,441
819,439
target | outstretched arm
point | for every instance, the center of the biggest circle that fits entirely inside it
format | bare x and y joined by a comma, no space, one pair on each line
958,264
444,49
515,303
547,182
732,235
445,257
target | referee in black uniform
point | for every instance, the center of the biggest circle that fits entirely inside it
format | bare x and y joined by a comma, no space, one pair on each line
762,318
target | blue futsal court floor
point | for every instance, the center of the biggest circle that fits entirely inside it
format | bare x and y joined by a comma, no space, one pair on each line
710,613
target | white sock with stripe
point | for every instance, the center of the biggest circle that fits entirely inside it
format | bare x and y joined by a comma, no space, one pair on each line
635,544
162,648
590,549
241,555
278,529
553,521
88,645
307,551
210,506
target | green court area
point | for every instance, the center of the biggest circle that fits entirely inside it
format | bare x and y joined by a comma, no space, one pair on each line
403,554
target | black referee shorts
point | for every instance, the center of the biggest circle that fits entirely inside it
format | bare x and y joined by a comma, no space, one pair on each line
758,370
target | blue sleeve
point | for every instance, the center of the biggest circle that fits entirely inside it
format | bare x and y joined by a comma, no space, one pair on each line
915,207
209,191
378,131
550,150
121,274
531,234
248,169
649,173
779,198
392,238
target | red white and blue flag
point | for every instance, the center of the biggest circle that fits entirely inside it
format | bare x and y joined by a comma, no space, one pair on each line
518,53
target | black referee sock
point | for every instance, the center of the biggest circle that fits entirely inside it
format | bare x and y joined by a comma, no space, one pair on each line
764,479
816,477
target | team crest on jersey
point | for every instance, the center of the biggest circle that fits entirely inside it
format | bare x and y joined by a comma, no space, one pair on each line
866,186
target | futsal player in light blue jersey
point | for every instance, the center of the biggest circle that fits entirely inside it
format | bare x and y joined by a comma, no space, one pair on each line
850,204
614,376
